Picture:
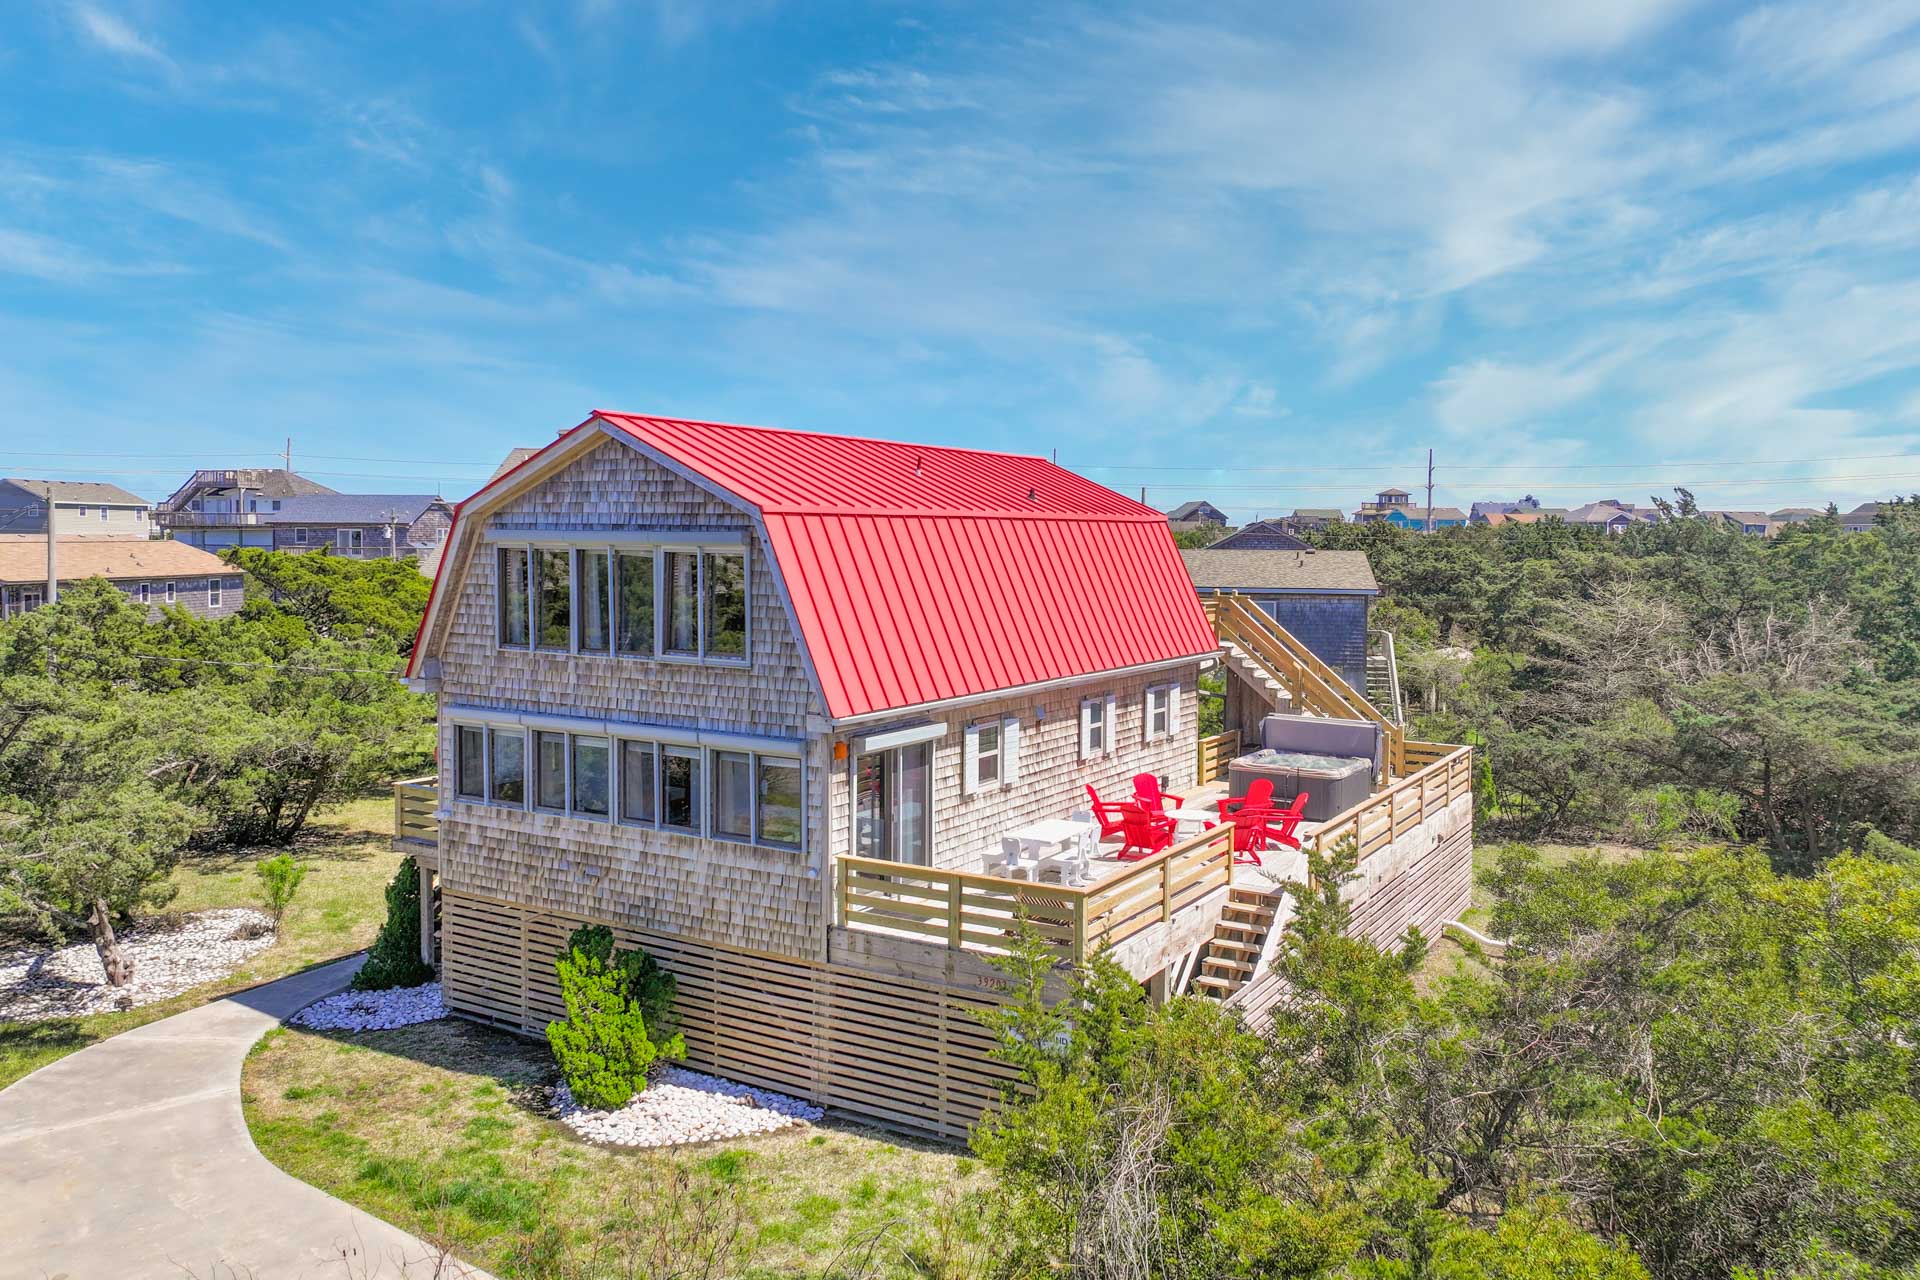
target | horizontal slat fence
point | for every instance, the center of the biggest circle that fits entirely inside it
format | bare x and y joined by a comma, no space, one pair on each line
415,801
1215,754
972,912
907,1054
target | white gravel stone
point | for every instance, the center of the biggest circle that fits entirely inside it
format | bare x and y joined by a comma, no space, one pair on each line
170,954
681,1106
374,1010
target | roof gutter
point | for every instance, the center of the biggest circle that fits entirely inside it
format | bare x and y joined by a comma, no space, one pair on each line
1018,690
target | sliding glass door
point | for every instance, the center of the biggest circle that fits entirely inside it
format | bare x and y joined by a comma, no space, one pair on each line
893,804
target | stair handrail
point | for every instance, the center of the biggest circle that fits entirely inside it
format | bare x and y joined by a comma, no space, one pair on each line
1393,677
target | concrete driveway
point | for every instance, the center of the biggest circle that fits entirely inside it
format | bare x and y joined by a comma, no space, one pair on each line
131,1158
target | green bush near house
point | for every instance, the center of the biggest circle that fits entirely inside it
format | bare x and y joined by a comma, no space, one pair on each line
619,1019
280,878
394,958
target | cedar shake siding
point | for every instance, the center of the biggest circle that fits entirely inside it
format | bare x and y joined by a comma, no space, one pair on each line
765,900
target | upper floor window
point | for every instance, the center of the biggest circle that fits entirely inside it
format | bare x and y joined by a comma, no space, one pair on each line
103,513
213,593
170,590
1162,711
676,602
349,540
300,537
146,593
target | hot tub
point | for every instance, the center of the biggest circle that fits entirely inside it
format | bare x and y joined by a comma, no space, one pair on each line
1333,784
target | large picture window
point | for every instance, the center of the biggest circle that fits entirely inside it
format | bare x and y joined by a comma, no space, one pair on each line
681,603
513,595
682,585
591,571
554,603
634,590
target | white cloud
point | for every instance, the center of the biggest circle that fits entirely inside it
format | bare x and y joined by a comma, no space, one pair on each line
114,35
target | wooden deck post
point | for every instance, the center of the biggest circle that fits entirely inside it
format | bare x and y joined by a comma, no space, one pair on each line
1166,889
426,910
953,912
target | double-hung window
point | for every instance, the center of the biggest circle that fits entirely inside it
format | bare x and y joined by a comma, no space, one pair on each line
172,589
1162,711
591,571
633,596
213,593
550,771
733,795
1097,717
681,580
724,604
990,754
639,782
777,802
146,593
680,804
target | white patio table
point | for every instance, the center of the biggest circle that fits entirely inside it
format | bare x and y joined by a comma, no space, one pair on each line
1050,840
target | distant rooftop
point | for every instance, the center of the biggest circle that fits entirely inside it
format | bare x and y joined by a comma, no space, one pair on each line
79,491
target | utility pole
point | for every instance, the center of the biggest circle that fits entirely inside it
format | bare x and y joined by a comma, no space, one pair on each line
1429,491
393,538
53,551
286,457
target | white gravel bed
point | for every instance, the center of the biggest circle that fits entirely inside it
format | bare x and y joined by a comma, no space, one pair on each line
374,1010
681,1106
170,954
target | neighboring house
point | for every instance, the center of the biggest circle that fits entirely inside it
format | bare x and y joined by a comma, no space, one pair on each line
1610,516
514,458
1195,515
700,681
1753,522
1310,519
1322,597
1861,518
1386,504
81,507
153,572
368,526
1795,515
1521,506
1261,535
223,508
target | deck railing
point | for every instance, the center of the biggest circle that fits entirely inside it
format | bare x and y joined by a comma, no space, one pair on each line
1444,774
1216,753
976,912
414,804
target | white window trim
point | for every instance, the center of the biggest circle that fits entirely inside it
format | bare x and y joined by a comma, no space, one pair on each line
1099,710
171,592
146,593
213,593
300,536
1008,753
1171,690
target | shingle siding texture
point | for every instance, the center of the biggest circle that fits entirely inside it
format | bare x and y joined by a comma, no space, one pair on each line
760,899
1333,627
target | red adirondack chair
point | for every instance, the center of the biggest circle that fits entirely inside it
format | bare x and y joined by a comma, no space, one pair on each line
1256,828
1147,793
1259,796
1283,825
1107,814
1147,832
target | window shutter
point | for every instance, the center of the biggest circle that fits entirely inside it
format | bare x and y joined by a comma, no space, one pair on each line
1010,749
970,761
1173,708
1113,721
1146,715
1086,724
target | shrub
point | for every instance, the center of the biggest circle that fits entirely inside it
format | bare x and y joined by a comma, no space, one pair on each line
280,879
619,1019
394,958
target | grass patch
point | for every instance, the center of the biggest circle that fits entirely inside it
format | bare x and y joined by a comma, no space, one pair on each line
338,910
440,1129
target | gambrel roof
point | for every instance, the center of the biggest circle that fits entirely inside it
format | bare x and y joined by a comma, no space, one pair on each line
921,574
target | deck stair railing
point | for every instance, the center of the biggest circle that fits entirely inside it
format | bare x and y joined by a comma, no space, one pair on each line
1383,676
414,804
1315,687
977,912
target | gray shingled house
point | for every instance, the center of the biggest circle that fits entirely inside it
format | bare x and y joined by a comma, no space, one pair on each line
1322,597
85,507
371,526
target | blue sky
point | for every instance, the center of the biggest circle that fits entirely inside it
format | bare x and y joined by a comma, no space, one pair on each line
1269,257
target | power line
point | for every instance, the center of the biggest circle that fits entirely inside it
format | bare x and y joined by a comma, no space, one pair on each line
1517,467
1683,482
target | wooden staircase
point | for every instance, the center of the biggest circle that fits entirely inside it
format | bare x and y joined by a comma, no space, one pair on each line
1267,658
1232,957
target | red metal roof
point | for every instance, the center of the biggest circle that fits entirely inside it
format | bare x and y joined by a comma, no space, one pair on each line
920,573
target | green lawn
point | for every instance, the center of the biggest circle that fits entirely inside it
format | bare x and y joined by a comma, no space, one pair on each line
437,1128
338,910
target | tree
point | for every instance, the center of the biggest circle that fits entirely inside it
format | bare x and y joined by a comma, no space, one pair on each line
618,1019
337,596
394,958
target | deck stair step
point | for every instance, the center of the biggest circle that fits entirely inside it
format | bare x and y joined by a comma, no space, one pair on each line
1232,955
